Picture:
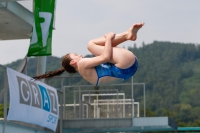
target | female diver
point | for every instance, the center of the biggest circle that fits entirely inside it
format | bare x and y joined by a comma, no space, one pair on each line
110,65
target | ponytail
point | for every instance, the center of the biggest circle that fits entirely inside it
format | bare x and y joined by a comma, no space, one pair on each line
50,74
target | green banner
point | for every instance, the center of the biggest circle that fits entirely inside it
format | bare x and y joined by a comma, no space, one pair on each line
40,44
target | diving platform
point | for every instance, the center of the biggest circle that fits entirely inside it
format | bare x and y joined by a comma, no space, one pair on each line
137,124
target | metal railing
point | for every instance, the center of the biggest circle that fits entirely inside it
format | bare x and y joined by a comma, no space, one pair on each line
79,89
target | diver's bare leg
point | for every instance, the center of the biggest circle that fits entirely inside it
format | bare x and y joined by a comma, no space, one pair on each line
131,34
96,46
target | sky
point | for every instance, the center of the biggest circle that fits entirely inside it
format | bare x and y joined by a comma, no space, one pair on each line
78,21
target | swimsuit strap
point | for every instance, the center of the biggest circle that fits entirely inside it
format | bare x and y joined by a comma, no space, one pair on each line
97,76
97,81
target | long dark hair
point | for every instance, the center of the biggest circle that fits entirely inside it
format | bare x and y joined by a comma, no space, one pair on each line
65,67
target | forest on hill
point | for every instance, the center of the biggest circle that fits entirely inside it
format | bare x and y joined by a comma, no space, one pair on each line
170,71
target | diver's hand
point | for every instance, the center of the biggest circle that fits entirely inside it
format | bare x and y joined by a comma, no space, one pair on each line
110,35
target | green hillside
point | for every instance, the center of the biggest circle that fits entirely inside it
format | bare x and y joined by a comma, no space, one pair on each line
170,72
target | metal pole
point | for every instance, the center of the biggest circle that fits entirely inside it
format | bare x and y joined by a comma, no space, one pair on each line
94,109
107,110
89,110
80,103
132,100
74,104
123,105
83,109
138,110
117,105
63,89
61,113
5,95
41,67
5,99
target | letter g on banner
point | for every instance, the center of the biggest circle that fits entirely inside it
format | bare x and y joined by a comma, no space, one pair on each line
24,91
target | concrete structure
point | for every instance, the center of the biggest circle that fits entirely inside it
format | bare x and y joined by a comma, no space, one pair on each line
16,21
119,125
141,124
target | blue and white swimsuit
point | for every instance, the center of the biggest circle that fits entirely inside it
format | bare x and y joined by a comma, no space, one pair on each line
109,69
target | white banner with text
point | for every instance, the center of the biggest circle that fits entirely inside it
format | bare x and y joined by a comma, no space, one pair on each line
32,101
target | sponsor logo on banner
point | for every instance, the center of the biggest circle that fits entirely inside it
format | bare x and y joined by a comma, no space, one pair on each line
38,96
36,102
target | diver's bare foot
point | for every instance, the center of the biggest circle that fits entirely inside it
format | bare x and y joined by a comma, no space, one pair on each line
132,32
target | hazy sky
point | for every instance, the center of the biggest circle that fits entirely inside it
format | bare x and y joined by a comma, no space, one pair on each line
78,21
